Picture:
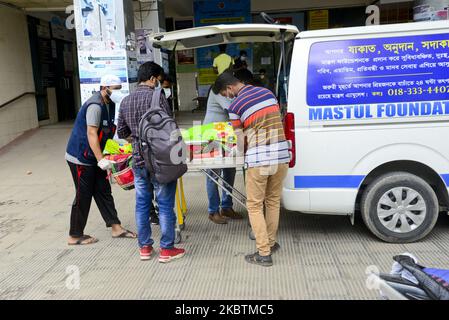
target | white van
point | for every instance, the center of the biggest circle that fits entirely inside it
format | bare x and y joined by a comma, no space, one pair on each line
367,115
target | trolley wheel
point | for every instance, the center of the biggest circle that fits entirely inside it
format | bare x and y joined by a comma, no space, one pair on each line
178,237
251,235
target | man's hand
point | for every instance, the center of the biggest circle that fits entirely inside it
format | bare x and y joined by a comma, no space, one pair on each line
105,164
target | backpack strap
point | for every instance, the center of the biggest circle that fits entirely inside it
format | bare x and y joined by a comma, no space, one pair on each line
156,99
154,106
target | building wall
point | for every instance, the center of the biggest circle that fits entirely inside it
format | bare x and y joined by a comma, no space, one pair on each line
288,5
16,76
184,8
147,16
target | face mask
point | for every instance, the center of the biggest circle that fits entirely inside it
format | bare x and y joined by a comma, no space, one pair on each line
230,96
231,100
243,58
262,76
167,92
157,84
116,96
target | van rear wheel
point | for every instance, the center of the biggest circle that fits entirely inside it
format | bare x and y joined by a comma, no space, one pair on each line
399,207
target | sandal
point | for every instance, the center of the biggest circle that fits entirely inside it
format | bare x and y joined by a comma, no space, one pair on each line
125,234
81,241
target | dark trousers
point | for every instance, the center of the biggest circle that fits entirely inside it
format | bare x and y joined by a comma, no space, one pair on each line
90,181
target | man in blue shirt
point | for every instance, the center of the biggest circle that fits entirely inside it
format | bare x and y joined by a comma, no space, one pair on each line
94,125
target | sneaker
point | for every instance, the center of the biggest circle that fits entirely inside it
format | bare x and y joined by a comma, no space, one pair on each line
154,219
275,247
168,255
230,213
217,218
145,252
260,260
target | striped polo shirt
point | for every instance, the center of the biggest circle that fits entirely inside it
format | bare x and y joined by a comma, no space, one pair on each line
256,111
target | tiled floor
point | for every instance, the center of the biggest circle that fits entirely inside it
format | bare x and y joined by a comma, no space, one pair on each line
322,257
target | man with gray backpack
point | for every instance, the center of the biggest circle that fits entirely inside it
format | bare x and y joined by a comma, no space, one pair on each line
146,117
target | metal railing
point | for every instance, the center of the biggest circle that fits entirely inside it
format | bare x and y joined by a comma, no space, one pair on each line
16,98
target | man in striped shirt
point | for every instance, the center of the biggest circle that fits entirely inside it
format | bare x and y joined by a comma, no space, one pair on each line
255,116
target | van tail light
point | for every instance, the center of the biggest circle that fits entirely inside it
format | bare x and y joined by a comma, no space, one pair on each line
289,129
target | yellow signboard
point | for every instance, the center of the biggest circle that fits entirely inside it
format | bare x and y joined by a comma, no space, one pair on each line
206,76
318,19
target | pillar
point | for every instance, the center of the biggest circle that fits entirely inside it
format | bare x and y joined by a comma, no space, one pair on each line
150,18
106,43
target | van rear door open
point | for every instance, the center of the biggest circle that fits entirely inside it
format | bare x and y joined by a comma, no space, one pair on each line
222,34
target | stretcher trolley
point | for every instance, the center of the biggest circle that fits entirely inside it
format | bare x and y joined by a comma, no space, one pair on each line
206,166
207,36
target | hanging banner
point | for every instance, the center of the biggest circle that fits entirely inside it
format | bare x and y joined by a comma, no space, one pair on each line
318,19
106,43
144,47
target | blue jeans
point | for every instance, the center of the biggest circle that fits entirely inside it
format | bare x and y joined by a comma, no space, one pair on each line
213,195
165,198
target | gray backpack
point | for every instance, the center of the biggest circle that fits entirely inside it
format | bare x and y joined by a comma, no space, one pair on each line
161,143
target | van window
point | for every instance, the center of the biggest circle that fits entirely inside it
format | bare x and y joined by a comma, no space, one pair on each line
387,77
280,86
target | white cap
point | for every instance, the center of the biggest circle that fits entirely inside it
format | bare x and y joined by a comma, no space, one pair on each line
110,80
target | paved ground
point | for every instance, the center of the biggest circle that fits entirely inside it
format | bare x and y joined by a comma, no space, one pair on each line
322,257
